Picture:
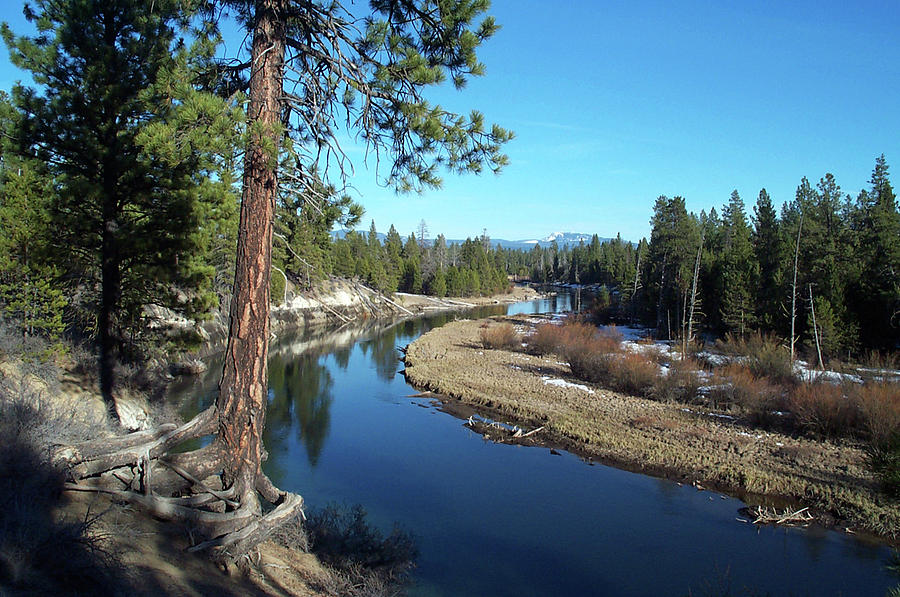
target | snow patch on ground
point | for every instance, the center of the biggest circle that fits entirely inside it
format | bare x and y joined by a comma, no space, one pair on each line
804,372
550,381
715,415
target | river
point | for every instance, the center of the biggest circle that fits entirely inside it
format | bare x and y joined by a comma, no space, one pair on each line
491,519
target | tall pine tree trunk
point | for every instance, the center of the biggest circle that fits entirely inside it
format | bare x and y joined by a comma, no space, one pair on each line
110,281
243,390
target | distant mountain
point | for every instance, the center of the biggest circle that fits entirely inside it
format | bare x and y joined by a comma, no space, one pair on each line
563,239
342,233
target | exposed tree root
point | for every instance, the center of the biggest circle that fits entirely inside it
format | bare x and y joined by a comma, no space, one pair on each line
137,469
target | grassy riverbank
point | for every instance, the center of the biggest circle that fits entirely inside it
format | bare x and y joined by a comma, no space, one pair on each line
665,439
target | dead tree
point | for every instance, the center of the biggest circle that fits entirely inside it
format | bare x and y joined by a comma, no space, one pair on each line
812,308
794,288
637,276
690,332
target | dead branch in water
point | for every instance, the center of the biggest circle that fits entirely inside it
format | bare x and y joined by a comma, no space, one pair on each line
787,517
507,432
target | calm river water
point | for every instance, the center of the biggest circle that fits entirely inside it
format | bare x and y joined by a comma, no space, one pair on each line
490,519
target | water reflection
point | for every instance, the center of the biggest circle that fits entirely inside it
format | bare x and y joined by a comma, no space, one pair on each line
301,395
382,350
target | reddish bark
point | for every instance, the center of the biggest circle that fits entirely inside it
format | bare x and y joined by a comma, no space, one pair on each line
243,390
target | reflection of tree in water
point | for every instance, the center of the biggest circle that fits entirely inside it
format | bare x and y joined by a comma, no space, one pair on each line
382,349
301,389
342,357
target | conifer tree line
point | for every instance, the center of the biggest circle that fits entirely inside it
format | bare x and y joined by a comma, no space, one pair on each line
418,265
733,272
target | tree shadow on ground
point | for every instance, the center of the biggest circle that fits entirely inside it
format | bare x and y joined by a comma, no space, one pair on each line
42,553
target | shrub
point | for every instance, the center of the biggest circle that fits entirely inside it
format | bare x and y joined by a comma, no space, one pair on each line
546,339
589,360
681,384
766,356
755,396
610,338
825,409
343,538
632,373
879,405
589,351
876,366
501,335
39,553
732,345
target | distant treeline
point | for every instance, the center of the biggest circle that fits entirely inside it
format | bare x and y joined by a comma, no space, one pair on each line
414,265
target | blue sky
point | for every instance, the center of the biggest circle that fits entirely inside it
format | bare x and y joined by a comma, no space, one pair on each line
614,104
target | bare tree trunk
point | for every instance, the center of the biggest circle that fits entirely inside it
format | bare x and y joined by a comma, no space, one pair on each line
690,333
637,273
659,301
243,390
812,307
794,288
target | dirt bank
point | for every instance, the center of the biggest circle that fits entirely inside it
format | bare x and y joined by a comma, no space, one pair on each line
420,303
152,557
43,405
335,301
637,434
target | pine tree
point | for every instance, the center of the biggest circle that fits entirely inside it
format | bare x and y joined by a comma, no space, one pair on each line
877,296
376,71
739,268
673,242
29,298
110,78
302,234
769,254
437,284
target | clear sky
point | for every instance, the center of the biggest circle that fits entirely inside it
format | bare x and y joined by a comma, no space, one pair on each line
614,104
